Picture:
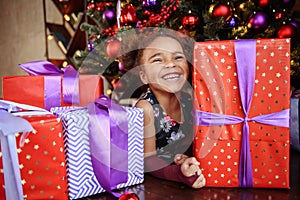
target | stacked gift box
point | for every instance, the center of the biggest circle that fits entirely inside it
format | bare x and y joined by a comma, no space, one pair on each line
242,92
70,174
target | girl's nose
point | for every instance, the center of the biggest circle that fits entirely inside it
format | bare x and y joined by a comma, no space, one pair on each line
170,64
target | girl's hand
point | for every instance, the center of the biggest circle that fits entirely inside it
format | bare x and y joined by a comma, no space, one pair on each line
180,158
190,167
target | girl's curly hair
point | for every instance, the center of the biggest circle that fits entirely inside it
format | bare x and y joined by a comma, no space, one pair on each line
136,40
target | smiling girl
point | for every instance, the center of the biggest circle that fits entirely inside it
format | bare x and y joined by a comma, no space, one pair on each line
161,56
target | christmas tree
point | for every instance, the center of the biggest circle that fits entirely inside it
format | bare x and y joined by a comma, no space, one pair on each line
202,20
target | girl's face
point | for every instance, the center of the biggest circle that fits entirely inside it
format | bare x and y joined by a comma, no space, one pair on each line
164,65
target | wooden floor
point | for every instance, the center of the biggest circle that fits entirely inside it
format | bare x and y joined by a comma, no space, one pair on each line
157,189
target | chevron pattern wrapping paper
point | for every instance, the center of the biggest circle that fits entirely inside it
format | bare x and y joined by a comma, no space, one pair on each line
81,179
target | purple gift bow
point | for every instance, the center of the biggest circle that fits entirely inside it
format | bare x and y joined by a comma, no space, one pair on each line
245,51
52,82
8,129
108,142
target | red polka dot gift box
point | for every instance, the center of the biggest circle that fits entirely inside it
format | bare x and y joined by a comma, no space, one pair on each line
242,101
41,160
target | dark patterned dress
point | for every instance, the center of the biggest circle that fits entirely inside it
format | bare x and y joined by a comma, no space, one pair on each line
172,137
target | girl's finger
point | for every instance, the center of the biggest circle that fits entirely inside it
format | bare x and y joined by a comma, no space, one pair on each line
200,182
192,161
199,172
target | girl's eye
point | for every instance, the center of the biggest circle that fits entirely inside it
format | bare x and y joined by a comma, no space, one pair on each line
179,57
156,60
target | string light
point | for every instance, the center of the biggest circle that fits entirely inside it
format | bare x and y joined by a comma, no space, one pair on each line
64,64
242,6
67,17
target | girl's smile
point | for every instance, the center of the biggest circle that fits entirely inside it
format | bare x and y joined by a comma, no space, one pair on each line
172,76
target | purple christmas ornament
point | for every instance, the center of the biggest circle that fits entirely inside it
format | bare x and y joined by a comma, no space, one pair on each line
232,22
121,68
152,5
259,21
110,17
91,46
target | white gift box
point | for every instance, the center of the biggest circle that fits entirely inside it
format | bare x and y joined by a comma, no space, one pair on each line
81,178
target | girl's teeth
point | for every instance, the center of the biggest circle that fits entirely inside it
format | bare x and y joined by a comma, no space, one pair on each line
171,76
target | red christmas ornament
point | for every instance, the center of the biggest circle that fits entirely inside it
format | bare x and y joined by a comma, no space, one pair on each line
263,3
91,6
113,47
110,31
129,196
222,10
153,20
128,15
100,7
287,31
189,22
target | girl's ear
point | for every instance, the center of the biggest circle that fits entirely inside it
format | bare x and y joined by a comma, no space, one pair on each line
143,77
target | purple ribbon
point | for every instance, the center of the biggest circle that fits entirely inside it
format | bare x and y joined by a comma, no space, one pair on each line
52,96
52,82
71,85
108,127
10,161
245,51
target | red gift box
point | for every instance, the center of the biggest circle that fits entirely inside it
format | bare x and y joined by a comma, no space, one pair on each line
242,112
50,86
30,90
41,160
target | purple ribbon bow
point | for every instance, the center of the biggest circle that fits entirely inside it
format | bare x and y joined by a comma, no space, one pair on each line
8,129
52,82
245,51
108,142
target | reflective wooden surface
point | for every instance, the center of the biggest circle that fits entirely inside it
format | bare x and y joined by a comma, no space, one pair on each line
157,189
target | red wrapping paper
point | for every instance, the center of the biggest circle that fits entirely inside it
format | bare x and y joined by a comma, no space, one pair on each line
30,90
41,161
216,90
